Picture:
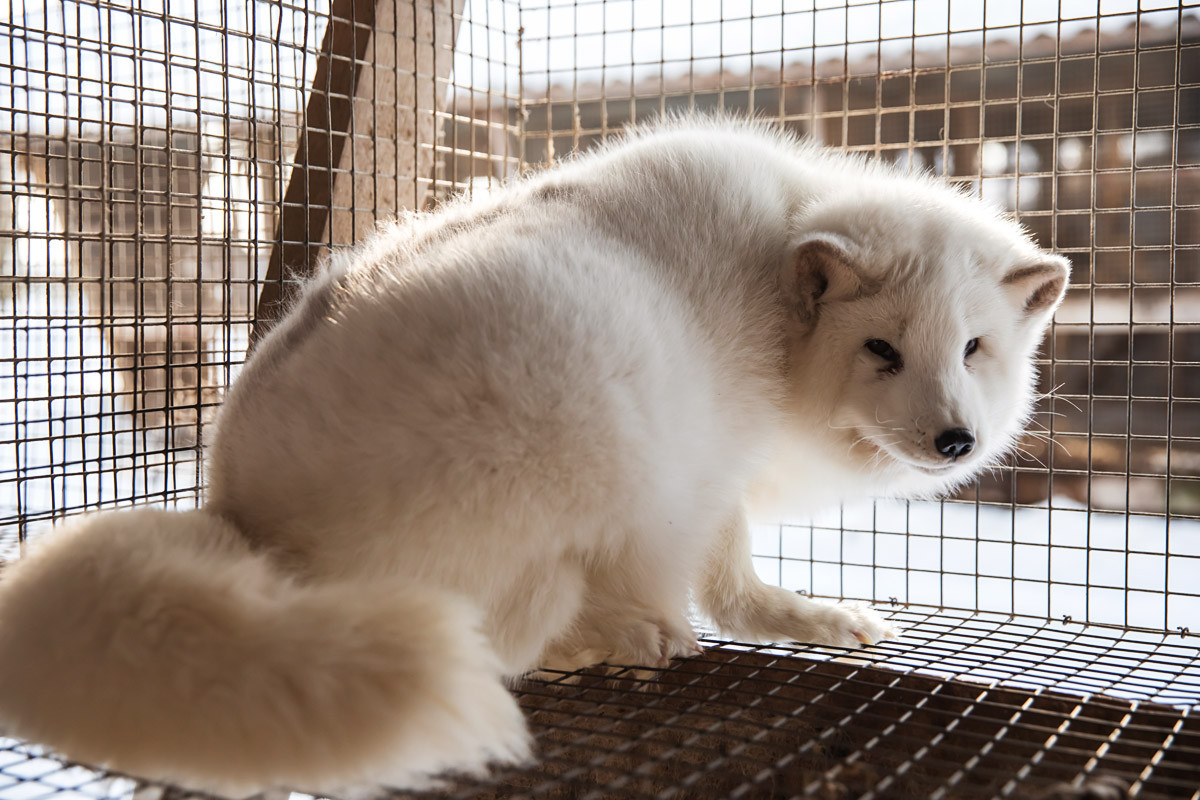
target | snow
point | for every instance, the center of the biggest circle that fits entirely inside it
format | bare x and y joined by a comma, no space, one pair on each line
1132,570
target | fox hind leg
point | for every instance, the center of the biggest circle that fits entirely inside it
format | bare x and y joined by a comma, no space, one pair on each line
633,614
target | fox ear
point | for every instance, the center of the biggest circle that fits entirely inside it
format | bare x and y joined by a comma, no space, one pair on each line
1038,286
820,270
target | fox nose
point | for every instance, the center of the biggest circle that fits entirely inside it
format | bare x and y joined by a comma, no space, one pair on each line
954,443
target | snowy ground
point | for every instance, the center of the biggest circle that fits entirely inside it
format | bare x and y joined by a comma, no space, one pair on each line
1132,570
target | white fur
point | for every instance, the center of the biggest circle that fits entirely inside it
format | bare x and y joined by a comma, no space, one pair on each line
522,432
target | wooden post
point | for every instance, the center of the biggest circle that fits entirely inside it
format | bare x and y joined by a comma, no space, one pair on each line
378,56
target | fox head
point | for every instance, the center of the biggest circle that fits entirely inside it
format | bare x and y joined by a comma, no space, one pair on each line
916,316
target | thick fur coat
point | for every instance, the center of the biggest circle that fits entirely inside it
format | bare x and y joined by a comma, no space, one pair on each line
523,432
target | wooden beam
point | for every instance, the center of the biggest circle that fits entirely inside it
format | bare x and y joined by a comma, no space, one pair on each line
304,215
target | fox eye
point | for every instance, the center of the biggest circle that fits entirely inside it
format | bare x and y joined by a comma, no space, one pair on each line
884,350
971,347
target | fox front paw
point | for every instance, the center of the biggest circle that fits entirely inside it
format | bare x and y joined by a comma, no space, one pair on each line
773,614
851,625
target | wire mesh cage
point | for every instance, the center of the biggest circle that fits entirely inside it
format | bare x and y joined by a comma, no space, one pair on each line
169,172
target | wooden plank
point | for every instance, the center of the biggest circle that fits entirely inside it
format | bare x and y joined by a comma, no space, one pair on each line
306,204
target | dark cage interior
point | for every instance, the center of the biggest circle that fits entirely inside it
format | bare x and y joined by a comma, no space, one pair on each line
169,172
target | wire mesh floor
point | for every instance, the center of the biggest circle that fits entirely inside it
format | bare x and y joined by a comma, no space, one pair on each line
963,706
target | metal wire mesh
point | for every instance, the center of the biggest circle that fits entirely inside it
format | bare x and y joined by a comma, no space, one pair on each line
142,157
168,171
752,722
1039,710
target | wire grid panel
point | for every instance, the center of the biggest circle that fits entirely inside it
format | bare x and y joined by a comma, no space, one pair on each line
161,167
142,155
760,722
1039,710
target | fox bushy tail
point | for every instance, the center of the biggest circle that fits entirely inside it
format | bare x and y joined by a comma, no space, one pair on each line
158,643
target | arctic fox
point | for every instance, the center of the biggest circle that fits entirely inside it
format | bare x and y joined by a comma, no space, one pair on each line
522,432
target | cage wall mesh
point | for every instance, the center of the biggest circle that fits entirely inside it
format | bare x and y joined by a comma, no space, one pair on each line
168,173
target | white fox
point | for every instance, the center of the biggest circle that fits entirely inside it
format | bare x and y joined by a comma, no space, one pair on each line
522,432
